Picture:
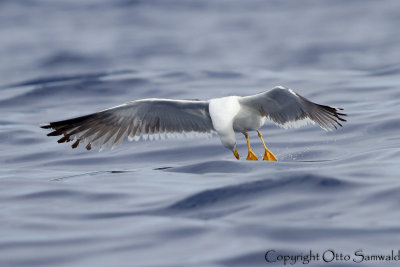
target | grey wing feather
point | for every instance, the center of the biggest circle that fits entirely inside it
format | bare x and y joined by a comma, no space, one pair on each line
141,118
288,109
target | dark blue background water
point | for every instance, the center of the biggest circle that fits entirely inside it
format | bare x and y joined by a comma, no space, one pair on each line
189,202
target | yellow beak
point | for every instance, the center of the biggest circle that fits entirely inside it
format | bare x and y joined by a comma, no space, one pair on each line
236,153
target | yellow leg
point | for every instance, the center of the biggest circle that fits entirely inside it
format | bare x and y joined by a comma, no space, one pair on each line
251,155
268,154
236,153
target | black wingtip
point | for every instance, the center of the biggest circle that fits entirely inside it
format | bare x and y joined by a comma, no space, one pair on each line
333,111
46,126
75,145
64,139
55,133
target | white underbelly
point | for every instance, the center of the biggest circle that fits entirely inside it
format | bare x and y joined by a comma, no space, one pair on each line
222,112
228,115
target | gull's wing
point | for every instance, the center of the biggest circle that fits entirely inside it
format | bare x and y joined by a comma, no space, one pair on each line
288,109
147,117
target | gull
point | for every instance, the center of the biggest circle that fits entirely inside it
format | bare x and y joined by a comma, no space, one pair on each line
155,118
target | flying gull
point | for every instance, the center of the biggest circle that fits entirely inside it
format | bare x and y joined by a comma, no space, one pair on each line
154,118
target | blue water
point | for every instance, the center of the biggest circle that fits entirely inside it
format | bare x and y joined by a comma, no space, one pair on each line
189,202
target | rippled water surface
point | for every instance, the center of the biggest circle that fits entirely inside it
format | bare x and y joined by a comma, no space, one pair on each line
189,202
